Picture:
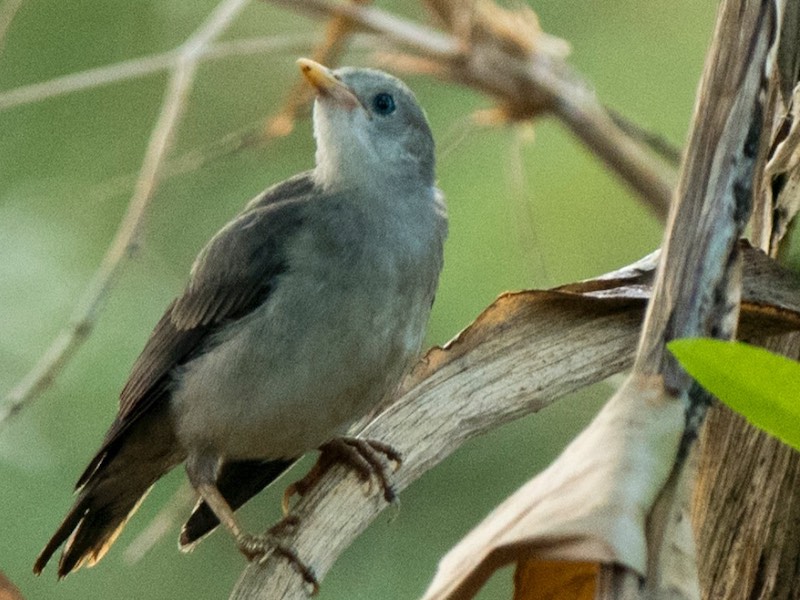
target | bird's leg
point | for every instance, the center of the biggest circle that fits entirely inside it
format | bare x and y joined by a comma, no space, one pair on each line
301,486
202,473
362,455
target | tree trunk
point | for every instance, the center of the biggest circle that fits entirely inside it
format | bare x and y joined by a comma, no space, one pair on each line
747,506
747,500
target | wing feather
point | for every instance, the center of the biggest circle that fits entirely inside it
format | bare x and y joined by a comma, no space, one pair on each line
232,275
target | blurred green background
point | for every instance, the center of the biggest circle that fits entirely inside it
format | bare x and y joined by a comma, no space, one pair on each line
66,171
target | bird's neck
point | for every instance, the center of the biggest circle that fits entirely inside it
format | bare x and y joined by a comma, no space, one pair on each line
341,169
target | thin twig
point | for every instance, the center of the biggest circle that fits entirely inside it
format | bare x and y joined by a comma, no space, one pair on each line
258,45
175,509
91,78
126,237
328,51
659,144
520,192
141,67
414,36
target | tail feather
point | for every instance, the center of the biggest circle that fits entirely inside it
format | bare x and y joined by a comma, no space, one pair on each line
237,482
111,494
71,522
89,530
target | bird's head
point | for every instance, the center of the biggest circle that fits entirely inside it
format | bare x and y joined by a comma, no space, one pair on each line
370,129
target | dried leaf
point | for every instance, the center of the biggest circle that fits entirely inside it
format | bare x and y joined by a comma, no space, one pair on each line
590,505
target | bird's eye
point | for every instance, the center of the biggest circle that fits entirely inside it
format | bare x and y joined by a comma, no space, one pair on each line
383,104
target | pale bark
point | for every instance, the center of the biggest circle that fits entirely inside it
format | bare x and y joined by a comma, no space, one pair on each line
520,355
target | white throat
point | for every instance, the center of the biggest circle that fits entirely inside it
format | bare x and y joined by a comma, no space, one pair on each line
346,156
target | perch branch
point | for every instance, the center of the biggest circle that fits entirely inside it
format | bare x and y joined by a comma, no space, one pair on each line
523,352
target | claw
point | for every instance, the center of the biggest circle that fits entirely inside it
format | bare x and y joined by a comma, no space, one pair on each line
306,572
253,546
202,474
285,526
258,547
363,456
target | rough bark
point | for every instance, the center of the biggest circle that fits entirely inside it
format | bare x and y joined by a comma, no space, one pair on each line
747,501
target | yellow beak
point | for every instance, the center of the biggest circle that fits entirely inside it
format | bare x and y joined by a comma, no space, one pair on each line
326,85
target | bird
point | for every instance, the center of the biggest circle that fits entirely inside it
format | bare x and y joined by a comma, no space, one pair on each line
299,317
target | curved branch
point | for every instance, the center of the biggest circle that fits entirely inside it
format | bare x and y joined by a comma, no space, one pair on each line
521,354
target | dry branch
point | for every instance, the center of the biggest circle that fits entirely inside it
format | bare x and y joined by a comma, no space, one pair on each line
697,293
127,235
747,502
521,354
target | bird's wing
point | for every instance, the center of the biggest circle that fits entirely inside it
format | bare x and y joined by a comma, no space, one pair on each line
231,276
234,272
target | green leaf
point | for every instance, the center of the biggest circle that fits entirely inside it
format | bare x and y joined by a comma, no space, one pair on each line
762,386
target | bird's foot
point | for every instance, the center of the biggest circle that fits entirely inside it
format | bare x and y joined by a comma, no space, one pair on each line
286,526
258,547
362,455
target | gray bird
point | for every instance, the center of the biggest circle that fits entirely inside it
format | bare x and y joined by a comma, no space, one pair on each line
300,315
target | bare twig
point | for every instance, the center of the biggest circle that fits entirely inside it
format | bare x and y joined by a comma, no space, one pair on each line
126,237
129,69
660,145
414,36
141,67
519,193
